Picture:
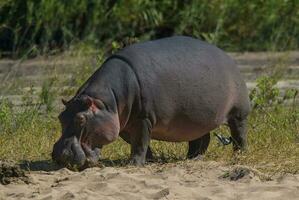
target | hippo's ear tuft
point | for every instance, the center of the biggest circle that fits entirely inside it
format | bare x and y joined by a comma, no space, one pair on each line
64,101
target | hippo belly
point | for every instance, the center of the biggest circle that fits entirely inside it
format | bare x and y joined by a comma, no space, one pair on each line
181,131
188,87
188,121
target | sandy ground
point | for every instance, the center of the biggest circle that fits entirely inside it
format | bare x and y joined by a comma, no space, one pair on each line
186,180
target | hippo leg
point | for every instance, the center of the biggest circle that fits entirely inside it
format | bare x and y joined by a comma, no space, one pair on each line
140,139
198,147
238,132
126,137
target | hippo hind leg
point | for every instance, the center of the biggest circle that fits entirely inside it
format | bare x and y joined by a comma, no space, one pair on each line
238,130
198,147
126,137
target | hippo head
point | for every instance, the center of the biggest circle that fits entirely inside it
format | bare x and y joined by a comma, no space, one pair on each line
87,124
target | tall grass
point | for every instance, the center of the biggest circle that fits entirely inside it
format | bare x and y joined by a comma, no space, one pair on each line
231,24
26,134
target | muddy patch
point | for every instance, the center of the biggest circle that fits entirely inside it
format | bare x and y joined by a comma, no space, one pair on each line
11,172
236,174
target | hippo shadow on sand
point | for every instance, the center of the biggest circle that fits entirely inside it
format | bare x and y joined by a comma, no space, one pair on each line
50,165
40,165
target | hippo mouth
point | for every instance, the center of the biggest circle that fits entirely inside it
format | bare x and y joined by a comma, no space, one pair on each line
92,155
74,154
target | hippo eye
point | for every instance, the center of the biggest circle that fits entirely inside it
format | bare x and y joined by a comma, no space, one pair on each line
80,119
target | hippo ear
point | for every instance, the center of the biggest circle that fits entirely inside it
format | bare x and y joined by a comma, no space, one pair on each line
87,101
64,101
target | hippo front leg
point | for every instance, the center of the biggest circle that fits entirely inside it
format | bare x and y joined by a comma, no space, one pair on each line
140,139
126,137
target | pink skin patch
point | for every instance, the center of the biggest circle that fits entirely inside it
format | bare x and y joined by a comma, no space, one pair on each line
84,138
93,107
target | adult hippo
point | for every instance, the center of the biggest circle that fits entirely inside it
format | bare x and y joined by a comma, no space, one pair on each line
173,89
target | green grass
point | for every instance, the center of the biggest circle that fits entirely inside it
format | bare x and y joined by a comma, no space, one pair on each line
26,134
273,136
273,139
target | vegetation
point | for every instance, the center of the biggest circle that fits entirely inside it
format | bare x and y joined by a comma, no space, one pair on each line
29,132
43,26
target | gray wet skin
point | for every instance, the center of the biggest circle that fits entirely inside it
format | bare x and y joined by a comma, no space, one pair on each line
173,89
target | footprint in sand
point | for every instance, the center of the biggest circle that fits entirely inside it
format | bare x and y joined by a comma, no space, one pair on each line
50,197
95,187
67,196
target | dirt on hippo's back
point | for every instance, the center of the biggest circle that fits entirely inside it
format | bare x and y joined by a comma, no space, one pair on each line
11,172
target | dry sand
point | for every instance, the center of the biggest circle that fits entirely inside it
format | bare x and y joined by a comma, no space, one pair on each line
185,180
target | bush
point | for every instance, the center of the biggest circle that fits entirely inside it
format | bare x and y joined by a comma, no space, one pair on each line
265,94
231,24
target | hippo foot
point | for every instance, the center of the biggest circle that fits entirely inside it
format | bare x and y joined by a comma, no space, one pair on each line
150,160
137,162
198,157
149,155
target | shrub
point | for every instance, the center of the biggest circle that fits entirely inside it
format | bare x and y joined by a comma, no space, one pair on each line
265,94
231,24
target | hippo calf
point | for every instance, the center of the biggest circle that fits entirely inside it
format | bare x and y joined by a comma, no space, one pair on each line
173,89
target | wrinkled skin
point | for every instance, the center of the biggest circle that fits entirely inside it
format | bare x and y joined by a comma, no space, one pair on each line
86,126
174,89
